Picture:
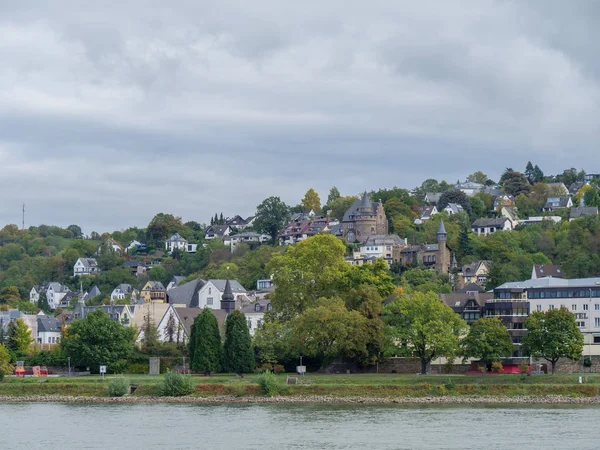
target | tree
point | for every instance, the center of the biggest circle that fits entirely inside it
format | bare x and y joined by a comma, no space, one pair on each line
423,327
272,342
552,335
5,365
43,303
151,337
454,196
309,270
339,207
538,175
76,230
367,301
206,351
19,336
311,201
591,197
478,177
98,340
488,340
271,217
515,183
530,172
170,328
238,355
329,330
334,194
161,227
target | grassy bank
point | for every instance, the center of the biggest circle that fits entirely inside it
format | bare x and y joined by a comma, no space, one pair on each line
331,386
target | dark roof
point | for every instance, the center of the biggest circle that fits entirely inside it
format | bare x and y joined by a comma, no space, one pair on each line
132,263
384,239
186,294
236,287
217,230
457,300
362,207
548,270
471,287
442,228
557,202
499,222
582,211
472,268
263,306
48,324
187,316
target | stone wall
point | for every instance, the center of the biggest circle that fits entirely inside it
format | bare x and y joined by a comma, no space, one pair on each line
565,365
394,365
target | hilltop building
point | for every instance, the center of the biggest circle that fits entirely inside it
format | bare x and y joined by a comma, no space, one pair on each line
363,219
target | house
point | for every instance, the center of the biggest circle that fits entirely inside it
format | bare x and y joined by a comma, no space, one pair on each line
217,231
432,198
185,295
176,242
211,293
175,281
469,188
505,200
94,292
432,256
453,208
264,284
49,330
379,246
510,214
363,219
557,190
135,245
425,213
135,267
468,305
298,231
475,273
575,187
55,293
176,323
255,314
153,291
34,293
557,203
144,313
539,219
85,266
119,313
546,270
249,237
239,223
582,211
489,226
123,291
112,245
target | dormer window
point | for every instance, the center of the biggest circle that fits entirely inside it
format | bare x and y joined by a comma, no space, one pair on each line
269,307
257,307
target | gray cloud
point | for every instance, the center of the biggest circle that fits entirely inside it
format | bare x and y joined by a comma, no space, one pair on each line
114,111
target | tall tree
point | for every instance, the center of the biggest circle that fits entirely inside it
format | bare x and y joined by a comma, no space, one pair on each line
238,355
76,230
478,177
552,335
271,217
334,194
488,340
530,172
454,196
98,340
19,336
5,365
339,207
423,327
151,338
43,303
311,201
515,183
207,348
161,227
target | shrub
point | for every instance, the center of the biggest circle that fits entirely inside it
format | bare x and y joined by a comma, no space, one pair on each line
268,384
450,384
118,387
524,367
265,367
278,368
587,362
497,367
176,384
138,368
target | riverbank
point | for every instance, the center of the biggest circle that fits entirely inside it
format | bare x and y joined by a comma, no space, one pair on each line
220,400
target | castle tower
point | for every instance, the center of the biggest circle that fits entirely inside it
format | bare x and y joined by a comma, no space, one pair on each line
227,299
442,262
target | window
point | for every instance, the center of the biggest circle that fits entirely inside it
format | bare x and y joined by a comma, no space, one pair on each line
269,307
597,322
573,307
257,307
596,339
551,307
597,306
209,291
209,300
539,307
585,306
249,324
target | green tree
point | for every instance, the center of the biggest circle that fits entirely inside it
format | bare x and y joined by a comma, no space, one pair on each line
43,303
311,201
151,336
19,336
339,207
334,194
478,177
206,352
454,196
515,183
421,326
271,217
552,335
98,340
5,365
309,270
530,172
591,197
488,340
238,355
161,227
329,330
76,230
376,275
272,342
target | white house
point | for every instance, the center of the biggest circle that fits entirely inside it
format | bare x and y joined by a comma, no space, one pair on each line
217,231
48,330
247,237
470,188
380,246
34,293
489,226
179,243
426,212
135,244
453,208
55,293
209,296
122,291
85,266
539,219
255,314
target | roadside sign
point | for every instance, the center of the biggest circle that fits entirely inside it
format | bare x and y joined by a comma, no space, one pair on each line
301,370
102,369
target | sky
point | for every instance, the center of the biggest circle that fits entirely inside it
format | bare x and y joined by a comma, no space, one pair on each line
113,111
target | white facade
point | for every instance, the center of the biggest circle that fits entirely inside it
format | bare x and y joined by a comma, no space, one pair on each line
34,295
178,328
210,294
485,226
85,266
55,294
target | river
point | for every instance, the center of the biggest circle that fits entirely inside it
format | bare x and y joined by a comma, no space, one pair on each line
51,426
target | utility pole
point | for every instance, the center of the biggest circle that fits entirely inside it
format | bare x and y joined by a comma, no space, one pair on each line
23,221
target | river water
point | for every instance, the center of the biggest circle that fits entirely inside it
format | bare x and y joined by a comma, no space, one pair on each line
51,426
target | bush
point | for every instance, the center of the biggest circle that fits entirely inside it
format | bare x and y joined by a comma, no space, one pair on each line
497,367
176,384
524,367
138,368
278,368
268,384
265,367
450,384
118,387
587,362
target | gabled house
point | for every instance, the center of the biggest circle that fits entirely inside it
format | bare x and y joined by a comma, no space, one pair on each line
432,197
185,295
175,281
470,306
239,223
34,293
557,203
546,270
425,213
119,313
582,211
248,237
110,244
123,291
510,214
505,200
85,266
55,293
179,243
474,273
489,226
557,190
453,208
144,313
211,293
378,246
470,188
217,231
135,245
153,291
298,231
94,292
135,267
255,314
49,330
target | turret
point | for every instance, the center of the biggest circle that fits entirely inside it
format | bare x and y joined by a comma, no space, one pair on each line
441,233
227,299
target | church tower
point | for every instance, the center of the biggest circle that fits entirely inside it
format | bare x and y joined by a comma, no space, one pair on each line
227,299
442,262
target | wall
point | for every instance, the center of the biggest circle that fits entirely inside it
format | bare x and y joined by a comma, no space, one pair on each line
394,365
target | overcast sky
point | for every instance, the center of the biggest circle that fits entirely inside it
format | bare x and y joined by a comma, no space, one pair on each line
113,111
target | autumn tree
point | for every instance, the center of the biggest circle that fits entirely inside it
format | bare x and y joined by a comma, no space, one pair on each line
311,201
552,335
271,217
488,340
421,326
